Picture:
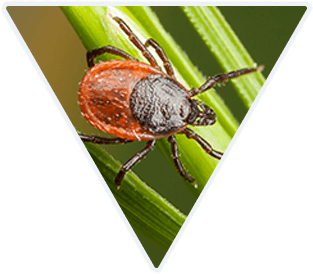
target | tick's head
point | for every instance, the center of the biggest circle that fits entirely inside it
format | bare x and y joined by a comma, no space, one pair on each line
200,114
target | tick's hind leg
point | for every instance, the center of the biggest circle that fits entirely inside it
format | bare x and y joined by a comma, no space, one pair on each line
135,40
103,141
178,163
162,55
92,54
222,78
204,144
132,161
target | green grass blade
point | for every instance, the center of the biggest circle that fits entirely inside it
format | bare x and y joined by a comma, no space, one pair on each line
226,48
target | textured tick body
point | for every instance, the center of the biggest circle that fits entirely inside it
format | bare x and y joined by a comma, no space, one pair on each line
136,101
132,100
160,105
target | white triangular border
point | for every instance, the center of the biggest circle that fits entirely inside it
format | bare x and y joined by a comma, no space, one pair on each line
234,139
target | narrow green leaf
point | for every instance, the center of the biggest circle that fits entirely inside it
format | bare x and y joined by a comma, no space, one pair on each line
227,49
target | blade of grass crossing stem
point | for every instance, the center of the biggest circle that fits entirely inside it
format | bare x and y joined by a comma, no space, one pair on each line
226,48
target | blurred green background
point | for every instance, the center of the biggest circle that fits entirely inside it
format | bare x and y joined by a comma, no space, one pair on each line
264,31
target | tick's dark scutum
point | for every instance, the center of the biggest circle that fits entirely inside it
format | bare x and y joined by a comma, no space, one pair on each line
160,104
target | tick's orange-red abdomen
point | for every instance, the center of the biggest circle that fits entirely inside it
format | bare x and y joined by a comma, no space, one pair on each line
104,97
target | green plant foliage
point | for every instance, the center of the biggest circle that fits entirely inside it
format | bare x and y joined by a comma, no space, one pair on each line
150,214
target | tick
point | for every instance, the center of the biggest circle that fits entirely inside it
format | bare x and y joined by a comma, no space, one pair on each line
136,101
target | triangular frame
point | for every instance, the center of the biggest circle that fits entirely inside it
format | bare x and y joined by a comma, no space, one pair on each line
234,139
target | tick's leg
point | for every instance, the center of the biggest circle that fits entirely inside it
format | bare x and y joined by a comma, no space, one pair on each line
104,141
204,144
92,54
178,163
135,40
160,52
132,161
222,78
